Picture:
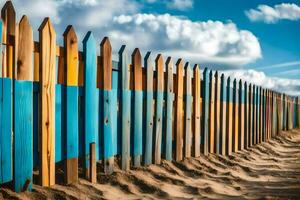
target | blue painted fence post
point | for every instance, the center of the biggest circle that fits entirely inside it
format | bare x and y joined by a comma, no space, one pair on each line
223,98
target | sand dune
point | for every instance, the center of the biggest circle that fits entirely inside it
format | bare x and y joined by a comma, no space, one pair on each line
266,171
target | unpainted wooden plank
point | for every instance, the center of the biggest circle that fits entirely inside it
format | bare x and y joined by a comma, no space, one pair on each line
205,111
169,109
92,163
211,112
217,113
196,110
250,115
178,111
254,115
229,118
241,116
47,37
235,119
246,116
138,107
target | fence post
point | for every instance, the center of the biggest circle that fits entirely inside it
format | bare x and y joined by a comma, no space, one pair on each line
241,115
178,110
298,112
254,114
235,125
47,77
169,111
7,29
90,100
71,97
229,118
257,114
260,114
197,110
217,113
250,116
138,107
188,111
223,116
205,111
246,116
125,107
159,107
149,109
211,117
106,81
23,115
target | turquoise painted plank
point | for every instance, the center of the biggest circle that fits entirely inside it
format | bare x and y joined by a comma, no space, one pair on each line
6,130
108,144
125,107
158,122
23,135
90,97
169,127
71,120
36,97
148,63
114,119
137,126
59,123
205,110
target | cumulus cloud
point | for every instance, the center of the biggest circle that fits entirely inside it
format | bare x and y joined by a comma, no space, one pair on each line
180,4
268,14
197,41
287,86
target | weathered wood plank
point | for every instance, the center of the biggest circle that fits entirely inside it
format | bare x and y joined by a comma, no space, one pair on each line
47,37
196,110
205,111
169,110
90,102
217,114
188,111
159,63
211,112
241,116
229,118
246,116
254,115
178,111
223,115
105,74
250,115
138,107
261,115
23,113
92,163
125,107
235,120
71,98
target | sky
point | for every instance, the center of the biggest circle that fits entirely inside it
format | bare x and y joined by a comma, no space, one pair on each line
253,40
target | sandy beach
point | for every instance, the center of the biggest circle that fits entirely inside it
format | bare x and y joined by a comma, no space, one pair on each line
265,171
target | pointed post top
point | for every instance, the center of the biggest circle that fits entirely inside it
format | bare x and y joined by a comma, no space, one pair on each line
222,77
122,50
169,62
196,67
24,21
216,74
69,30
136,58
241,82
211,73
179,63
187,65
88,37
8,6
228,80
105,42
205,70
159,59
45,24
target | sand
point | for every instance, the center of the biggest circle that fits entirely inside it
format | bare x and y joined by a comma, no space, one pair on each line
265,171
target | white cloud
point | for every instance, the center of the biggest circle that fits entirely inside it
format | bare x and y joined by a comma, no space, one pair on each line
197,41
267,14
287,86
180,4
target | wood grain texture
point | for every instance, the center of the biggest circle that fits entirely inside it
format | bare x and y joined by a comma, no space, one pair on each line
90,101
211,112
250,115
47,77
148,63
105,74
254,114
223,114
217,113
178,111
205,111
71,97
188,111
235,119
261,116
93,164
8,17
125,107
138,107
159,63
246,116
23,112
196,111
169,109
229,118
241,112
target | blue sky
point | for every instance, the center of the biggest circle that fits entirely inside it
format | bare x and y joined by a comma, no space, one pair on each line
255,40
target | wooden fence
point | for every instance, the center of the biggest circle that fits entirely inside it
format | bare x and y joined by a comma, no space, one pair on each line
63,106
